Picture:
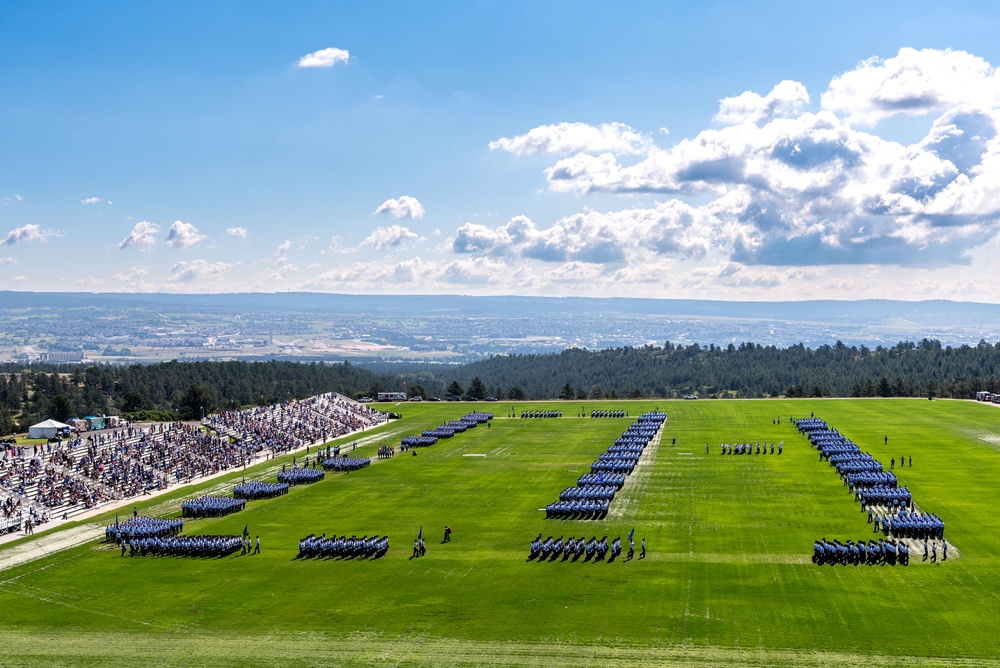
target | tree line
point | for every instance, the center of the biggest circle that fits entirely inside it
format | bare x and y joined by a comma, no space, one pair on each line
747,370
187,390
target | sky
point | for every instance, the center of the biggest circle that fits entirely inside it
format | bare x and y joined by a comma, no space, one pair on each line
711,150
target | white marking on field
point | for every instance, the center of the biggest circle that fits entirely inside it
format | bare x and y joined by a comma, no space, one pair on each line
685,453
473,454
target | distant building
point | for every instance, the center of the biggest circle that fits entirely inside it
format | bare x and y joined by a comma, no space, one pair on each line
61,357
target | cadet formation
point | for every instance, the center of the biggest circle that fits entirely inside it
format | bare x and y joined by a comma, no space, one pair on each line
871,553
591,498
749,448
366,547
430,436
212,506
300,476
581,549
889,506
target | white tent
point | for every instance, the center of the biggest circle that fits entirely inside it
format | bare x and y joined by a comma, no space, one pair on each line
46,429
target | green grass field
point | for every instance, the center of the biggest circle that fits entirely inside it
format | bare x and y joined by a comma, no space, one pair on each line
728,577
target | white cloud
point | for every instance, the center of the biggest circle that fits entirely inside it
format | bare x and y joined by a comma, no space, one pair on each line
280,271
670,229
132,277
475,271
912,83
197,270
283,247
11,200
324,58
581,273
95,200
90,281
4,261
786,99
238,232
810,189
18,279
142,237
183,235
566,138
404,207
28,233
391,237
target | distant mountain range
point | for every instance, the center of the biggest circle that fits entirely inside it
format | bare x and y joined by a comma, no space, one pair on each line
932,312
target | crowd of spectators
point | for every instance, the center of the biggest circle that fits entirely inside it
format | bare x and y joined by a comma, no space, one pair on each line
85,471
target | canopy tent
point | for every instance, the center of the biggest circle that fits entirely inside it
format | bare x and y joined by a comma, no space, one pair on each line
46,429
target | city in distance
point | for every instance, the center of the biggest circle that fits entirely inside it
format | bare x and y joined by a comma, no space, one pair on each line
144,328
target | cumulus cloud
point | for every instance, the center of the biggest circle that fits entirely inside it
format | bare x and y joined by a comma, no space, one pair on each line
786,99
404,207
566,138
782,186
672,229
27,234
280,270
283,247
132,277
394,236
913,82
197,270
238,232
324,58
142,237
95,200
4,261
183,235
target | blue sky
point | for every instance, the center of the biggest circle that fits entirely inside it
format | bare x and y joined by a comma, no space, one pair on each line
704,150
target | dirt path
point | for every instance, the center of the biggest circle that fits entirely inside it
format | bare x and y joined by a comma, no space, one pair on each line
48,544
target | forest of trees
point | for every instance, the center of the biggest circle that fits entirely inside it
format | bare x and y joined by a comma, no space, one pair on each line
187,389
747,370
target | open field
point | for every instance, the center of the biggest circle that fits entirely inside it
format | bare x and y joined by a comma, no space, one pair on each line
728,577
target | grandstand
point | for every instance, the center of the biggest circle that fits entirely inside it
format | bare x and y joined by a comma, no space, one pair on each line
67,478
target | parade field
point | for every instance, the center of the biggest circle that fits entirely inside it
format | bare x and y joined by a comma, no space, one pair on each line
727,578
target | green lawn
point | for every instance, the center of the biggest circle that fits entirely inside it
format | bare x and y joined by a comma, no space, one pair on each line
727,579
